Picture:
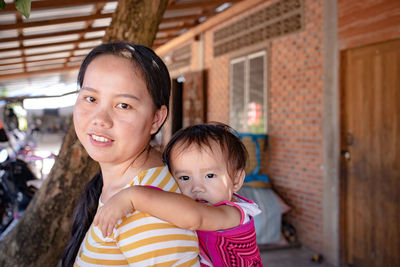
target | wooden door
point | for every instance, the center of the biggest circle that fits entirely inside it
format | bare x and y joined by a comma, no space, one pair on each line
194,98
371,155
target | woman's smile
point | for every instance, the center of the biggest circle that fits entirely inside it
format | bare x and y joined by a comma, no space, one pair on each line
100,140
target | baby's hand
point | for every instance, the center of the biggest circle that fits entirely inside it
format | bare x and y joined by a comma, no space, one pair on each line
114,209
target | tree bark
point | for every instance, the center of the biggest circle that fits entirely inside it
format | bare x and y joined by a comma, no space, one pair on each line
41,234
136,21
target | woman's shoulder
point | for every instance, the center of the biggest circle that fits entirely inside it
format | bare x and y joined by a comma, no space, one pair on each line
158,177
154,172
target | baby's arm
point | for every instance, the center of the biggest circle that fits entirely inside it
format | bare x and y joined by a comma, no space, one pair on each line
114,209
175,208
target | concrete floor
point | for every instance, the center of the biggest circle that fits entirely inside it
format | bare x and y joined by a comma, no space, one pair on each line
290,257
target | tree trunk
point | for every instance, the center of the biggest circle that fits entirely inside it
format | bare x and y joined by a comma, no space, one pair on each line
41,234
136,21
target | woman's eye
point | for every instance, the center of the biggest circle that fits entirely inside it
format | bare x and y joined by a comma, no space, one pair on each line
210,175
90,99
184,178
124,106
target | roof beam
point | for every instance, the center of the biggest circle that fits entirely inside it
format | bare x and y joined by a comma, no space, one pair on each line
48,22
31,61
49,45
48,53
200,4
49,4
89,23
172,25
36,72
53,34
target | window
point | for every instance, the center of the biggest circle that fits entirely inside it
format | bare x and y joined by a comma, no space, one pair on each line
248,103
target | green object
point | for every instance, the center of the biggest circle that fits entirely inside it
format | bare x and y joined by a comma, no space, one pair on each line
2,4
23,6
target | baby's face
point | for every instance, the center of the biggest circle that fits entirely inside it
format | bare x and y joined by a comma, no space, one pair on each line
202,174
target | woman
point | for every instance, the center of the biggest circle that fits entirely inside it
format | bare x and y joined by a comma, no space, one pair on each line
122,103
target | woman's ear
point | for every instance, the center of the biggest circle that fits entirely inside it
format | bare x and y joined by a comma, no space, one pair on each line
238,179
159,118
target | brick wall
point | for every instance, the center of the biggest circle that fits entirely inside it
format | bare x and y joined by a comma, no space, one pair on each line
295,80
218,83
294,158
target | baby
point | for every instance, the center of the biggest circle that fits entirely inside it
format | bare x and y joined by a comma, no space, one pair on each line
208,163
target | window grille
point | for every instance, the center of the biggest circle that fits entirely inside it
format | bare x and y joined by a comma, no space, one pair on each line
248,102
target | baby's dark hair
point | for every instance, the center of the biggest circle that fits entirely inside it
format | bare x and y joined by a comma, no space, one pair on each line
203,135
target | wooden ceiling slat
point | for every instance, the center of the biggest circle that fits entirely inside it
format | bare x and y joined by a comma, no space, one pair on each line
176,19
198,4
49,4
49,45
181,18
20,25
53,34
89,24
30,61
166,38
176,28
36,72
171,2
46,53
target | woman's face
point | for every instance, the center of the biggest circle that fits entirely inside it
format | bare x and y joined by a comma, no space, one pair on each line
114,115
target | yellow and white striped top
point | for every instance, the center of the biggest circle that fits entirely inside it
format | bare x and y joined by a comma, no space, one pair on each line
141,239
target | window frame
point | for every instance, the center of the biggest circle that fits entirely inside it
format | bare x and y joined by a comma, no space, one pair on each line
246,58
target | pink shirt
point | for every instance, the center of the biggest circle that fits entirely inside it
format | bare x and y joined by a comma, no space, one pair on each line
235,246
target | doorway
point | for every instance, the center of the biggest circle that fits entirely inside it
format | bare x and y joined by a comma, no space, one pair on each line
188,105
370,145
176,107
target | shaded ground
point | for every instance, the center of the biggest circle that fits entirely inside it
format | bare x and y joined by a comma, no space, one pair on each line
290,257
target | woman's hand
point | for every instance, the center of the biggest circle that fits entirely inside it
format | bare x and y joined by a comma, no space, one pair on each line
114,209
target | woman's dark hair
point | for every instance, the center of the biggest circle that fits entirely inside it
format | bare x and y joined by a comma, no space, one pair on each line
156,75
150,66
83,217
204,135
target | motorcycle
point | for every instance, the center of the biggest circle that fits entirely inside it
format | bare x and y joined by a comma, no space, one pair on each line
15,193
16,177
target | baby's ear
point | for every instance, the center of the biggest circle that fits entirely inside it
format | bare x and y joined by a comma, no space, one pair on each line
238,179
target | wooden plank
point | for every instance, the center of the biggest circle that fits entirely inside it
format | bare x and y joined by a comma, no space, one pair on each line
48,4
34,73
49,45
199,4
194,99
48,22
53,34
372,174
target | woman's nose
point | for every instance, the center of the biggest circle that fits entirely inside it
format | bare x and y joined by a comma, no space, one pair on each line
102,118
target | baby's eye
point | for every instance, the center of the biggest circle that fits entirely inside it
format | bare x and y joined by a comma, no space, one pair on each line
184,178
124,106
210,175
90,99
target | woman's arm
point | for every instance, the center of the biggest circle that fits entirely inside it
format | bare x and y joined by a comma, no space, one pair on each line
175,208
